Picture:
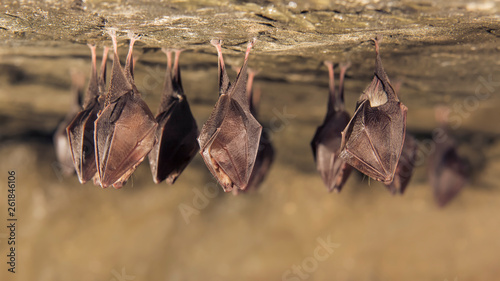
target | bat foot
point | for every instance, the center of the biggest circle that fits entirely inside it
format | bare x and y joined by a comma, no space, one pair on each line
132,36
328,64
217,43
377,40
345,65
112,34
249,47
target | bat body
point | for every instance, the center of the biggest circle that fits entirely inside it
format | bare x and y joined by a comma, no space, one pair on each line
177,130
62,145
328,137
448,172
81,130
404,169
373,140
229,140
265,153
125,128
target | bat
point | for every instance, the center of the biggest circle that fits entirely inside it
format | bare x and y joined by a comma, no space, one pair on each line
404,169
81,130
373,140
61,144
125,128
328,137
177,131
448,172
265,153
229,140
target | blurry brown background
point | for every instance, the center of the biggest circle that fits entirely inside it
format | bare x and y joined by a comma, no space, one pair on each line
441,53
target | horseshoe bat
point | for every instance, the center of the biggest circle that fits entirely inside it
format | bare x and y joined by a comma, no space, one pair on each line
327,139
373,139
229,140
81,130
404,169
61,144
177,130
265,153
125,128
448,172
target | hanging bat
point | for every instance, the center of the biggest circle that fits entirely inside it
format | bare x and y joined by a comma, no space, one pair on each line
177,130
265,153
61,144
448,172
229,140
81,130
125,128
373,139
404,169
328,137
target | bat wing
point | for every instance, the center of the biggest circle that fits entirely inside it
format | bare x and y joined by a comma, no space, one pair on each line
404,170
325,146
233,149
176,146
210,128
81,138
373,139
124,135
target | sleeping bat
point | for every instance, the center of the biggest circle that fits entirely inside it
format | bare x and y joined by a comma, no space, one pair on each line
81,130
448,172
177,130
404,169
326,141
229,140
373,139
125,128
265,153
61,143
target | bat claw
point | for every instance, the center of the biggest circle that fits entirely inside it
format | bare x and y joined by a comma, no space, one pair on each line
328,63
345,65
112,33
377,40
216,43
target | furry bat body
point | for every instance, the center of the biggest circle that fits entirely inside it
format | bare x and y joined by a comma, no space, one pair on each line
373,139
177,130
229,140
125,128
327,139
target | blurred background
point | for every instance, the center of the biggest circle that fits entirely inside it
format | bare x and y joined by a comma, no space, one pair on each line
291,228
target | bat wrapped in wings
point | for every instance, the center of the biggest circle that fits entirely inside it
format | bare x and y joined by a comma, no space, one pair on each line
373,139
177,130
229,140
125,128
61,143
81,130
448,172
327,139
